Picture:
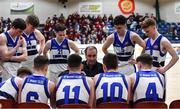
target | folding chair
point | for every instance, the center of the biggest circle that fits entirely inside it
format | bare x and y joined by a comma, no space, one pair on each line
151,104
119,105
174,104
33,105
5,103
81,106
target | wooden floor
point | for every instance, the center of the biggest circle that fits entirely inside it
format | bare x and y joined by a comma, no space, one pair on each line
173,82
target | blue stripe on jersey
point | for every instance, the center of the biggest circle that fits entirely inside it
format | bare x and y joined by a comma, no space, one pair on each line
98,81
160,79
14,84
126,40
111,75
11,43
6,95
63,45
146,74
29,38
136,82
74,76
85,84
41,80
2,83
46,88
155,46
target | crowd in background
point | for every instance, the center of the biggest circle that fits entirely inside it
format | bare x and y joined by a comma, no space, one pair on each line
95,28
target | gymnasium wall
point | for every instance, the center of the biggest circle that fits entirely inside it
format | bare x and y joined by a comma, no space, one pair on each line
45,8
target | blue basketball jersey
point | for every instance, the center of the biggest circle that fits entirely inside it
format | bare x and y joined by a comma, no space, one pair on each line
124,50
35,89
154,49
111,87
59,52
31,42
72,89
9,89
148,86
11,43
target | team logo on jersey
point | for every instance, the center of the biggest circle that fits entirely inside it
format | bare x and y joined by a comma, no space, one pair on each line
64,46
155,46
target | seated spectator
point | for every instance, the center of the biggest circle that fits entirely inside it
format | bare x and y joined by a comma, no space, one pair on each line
147,85
111,86
91,66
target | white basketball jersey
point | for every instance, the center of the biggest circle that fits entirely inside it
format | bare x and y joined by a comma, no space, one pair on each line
35,89
9,89
111,87
73,89
149,86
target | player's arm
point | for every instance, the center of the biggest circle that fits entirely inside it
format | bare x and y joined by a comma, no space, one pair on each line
138,40
107,43
131,80
143,50
95,80
52,94
22,57
91,96
20,90
7,54
73,47
41,40
129,88
47,47
168,47
19,82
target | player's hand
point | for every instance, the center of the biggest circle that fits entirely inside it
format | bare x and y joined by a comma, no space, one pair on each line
132,61
161,70
20,41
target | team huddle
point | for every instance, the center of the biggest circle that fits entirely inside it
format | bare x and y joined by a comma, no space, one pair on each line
118,82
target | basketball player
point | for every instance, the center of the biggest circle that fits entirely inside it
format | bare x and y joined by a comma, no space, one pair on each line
158,46
37,88
59,50
12,49
111,86
75,88
147,85
123,42
9,88
32,36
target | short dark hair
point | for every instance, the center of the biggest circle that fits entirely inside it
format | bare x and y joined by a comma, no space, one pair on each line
74,60
23,71
148,22
89,47
19,23
33,20
120,20
59,27
110,61
40,61
145,59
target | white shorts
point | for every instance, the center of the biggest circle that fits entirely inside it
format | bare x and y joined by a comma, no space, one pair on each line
127,68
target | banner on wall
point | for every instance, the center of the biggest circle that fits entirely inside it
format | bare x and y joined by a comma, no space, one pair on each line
177,8
22,7
90,8
126,6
